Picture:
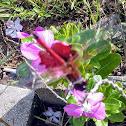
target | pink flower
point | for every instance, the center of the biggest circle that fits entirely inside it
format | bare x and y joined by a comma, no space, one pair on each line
41,59
92,107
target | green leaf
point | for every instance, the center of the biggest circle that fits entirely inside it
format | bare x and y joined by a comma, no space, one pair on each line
47,15
55,83
72,100
103,49
118,117
108,64
12,3
74,39
72,5
19,9
122,107
97,50
101,122
28,39
79,121
92,16
91,84
23,69
111,92
33,3
86,35
78,47
79,26
112,105
7,6
3,15
36,10
71,29
53,29
95,63
61,37
122,99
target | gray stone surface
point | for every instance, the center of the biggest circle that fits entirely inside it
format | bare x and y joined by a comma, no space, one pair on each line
15,105
47,96
121,79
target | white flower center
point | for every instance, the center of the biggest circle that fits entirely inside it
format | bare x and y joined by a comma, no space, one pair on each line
87,107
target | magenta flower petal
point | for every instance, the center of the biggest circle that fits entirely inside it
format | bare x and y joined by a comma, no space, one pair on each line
97,112
30,50
90,112
41,69
47,36
66,91
100,113
78,95
39,28
94,98
22,35
73,110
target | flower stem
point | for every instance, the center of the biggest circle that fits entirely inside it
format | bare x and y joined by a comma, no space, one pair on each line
46,121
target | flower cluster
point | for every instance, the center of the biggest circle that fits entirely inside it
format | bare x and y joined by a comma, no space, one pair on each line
92,106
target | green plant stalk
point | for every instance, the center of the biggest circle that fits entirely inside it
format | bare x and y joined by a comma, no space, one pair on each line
6,57
46,121
93,19
2,121
98,12
7,6
118,42
39,3
34,3
11,1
